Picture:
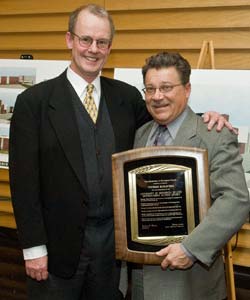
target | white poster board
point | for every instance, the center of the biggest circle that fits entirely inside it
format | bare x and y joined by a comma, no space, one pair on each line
15,76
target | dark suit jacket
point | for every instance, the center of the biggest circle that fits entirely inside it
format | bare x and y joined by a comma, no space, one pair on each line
47,175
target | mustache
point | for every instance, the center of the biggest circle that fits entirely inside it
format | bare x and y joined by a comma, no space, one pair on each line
159,104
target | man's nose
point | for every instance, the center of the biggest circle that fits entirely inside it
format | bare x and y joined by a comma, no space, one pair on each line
158,95
93,47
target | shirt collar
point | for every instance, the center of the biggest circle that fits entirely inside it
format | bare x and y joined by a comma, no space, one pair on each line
79,84
173,127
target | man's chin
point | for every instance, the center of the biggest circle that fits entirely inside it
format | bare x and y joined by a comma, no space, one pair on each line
162,120
90,73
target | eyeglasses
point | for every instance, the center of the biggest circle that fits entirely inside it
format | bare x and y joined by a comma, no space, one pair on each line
164,89
86,41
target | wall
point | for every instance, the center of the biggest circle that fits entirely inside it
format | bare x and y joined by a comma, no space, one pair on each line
143,28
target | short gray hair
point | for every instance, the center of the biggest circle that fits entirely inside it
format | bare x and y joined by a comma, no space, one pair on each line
95,10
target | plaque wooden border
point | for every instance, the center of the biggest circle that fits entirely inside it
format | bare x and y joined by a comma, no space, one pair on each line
119,200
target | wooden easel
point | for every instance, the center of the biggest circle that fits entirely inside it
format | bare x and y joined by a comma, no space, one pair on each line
207,52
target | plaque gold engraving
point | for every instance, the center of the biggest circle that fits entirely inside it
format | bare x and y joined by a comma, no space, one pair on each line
160,194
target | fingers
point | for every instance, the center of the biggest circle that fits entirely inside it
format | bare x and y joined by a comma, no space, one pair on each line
37,268
222,122
162,252
45,275
172,263
213,119
166,264
205,117
178,263
175,258
231,128
38,274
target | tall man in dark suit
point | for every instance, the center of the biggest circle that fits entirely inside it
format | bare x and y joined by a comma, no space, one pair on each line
193,269
60,167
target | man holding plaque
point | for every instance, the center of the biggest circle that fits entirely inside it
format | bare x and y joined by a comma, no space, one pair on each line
192,269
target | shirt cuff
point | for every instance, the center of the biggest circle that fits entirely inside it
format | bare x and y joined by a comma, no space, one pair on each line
35,252
188,253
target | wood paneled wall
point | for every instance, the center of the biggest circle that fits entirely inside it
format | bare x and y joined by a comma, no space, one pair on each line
143,27
12,272
6,209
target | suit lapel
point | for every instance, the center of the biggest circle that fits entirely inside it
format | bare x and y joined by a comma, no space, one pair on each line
119,115
114,104
188,131
63,120
142,134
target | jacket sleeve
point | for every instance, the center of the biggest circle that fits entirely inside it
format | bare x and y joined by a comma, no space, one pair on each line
229,196
24,172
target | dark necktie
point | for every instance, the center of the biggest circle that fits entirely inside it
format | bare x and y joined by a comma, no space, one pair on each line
159,139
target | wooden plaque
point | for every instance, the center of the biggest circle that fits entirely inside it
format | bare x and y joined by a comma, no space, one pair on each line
159,195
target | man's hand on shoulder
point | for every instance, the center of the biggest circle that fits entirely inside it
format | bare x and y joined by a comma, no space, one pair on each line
213,118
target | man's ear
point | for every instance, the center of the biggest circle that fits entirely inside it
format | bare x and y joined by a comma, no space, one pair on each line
188,89
69,40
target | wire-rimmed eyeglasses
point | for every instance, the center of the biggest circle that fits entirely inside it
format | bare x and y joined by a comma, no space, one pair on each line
86,41
150,90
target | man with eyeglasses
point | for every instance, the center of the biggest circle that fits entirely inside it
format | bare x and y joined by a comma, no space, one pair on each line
63,133
192,269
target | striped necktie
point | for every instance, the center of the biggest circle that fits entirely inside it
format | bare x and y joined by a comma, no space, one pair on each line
89,103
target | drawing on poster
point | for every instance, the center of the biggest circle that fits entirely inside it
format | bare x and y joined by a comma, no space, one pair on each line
15,77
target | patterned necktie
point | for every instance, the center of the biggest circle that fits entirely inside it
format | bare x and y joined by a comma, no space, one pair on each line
160,136
89,103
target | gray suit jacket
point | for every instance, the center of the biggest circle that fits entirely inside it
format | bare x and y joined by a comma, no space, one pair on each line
229,210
